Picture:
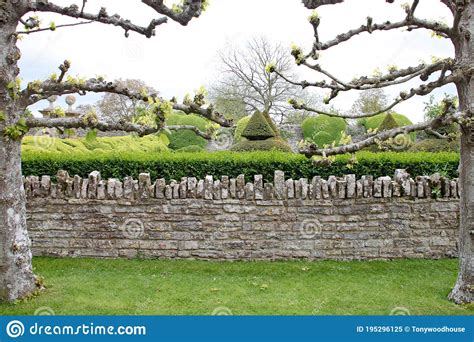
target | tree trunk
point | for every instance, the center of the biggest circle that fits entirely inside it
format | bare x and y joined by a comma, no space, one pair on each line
463,291
16,276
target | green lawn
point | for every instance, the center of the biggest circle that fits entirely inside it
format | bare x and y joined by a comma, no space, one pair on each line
160,287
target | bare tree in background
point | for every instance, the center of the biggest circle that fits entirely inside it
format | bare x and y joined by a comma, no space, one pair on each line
370,101
114,107
17,17
458,70
244,78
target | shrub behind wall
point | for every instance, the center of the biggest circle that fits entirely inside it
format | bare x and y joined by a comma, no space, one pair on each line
199,164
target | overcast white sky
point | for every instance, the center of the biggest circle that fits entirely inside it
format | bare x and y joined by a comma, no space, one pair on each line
180,59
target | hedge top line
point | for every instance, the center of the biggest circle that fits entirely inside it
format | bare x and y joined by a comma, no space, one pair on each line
175,166
347,187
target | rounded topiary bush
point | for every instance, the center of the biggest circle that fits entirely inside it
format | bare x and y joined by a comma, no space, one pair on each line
183,138
271,144
322,138
323,129
375,121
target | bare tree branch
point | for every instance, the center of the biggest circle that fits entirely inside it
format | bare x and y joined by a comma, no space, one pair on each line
55,27
366,83
37,91
192,128
312,4
410,22
423,89
83,122
102,17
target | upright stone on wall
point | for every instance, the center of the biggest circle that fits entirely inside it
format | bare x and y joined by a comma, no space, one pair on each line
233,188
279,184
304,188
351,186
128,188
111,188
224,187
118,189
240,186
316,188
94,179
183,188
208,187
216,191
332,184
101,190
268,191
192,187
258,187
290,189
249,192
45,186
160,188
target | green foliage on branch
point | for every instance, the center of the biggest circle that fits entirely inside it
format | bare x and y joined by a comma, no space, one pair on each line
200,164
15,132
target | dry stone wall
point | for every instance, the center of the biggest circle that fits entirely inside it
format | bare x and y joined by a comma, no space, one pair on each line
341,218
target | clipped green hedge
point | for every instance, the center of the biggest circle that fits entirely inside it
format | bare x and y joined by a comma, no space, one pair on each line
147,144
271,144
199,164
